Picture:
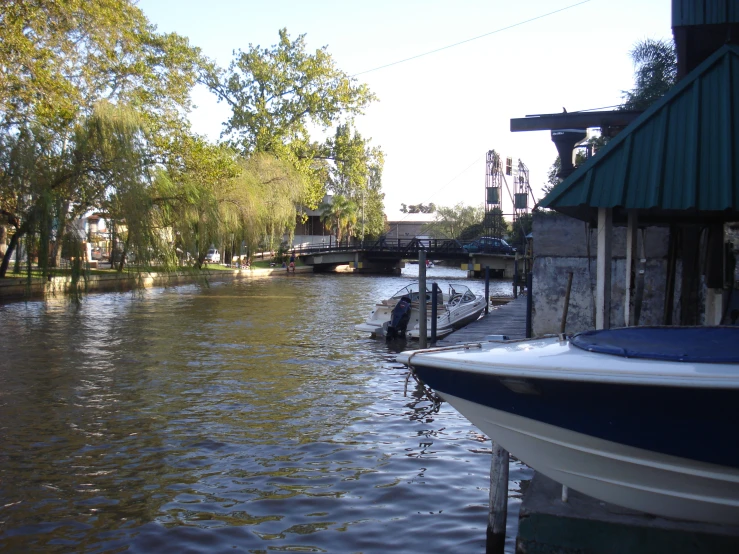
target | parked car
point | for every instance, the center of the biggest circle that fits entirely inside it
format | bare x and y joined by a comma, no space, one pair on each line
213,256
490,244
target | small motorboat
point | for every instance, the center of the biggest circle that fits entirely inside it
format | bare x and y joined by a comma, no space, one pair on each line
455,309
642,417
461,307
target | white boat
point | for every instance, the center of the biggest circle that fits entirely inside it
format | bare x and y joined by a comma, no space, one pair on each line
461,307
640,417
455,309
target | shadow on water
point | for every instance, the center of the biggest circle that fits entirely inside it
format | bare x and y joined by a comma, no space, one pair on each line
245,415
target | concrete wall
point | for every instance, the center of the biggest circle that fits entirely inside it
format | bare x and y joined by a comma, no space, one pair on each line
563,245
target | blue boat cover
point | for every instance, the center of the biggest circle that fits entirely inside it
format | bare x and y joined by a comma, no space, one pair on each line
679,344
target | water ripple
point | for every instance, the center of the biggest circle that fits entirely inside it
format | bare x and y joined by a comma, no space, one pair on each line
245,416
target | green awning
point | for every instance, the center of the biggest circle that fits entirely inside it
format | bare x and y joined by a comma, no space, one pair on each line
678,160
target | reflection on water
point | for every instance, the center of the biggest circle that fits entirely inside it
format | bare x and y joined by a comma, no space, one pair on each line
245,415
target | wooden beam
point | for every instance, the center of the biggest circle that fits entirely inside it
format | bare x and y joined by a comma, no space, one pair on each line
578,120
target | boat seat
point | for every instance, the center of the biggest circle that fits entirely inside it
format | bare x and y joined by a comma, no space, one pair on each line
677,344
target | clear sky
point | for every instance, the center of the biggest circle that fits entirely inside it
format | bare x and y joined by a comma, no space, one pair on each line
439,114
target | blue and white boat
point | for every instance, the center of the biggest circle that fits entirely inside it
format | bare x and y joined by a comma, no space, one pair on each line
642,417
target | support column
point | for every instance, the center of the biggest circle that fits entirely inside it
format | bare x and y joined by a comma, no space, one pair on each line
714,306
632,232
603,269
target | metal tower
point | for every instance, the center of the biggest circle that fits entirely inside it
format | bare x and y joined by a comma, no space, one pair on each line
521,190
493,224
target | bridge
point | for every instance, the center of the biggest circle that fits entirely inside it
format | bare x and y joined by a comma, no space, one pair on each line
387,255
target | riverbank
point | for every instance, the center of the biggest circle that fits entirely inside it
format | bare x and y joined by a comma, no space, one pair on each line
15,289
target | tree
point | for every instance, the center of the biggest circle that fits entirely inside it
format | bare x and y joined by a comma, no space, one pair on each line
449,222
340,213
519,230
655,72
595,143
655,65
276,93
356,172
92,96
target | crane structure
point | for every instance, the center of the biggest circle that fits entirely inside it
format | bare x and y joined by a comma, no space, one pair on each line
497,173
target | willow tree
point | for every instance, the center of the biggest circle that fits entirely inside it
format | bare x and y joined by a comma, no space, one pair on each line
69,68
276,94
191,195
45,185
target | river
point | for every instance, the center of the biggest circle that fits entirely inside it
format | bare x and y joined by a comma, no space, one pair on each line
243,416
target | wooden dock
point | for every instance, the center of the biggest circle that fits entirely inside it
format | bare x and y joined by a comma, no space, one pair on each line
507,319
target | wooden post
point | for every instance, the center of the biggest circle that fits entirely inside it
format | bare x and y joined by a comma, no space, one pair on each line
498,501
434,310
529,305
563,324
603,269
487,289
670,281
632,232
422,339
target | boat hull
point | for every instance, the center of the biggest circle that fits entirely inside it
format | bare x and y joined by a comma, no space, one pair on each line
635,478
653,443
447,327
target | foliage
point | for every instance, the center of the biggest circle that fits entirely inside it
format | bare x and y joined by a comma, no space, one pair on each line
375,222
356,172
92,95
596,143
276,93
341,214
418,208
494,223
519,229
46,184
655,64
449,222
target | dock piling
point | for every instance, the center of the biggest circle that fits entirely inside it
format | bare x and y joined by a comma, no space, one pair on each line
498,506
487,289
434,310
422,313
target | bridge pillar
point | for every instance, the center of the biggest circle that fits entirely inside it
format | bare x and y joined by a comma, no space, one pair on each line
501,266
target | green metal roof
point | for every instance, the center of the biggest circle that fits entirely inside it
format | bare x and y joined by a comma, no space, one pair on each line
704,12
677,160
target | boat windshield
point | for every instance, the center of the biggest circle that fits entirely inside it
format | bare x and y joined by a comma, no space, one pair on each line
462,293
411,291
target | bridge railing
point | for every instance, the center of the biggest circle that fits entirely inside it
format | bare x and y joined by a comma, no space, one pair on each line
404,247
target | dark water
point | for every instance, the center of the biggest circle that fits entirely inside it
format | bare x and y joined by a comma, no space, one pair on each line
246,416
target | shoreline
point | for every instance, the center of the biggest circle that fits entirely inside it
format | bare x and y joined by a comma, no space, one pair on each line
18,289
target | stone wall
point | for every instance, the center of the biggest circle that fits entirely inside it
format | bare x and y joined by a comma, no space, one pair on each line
563,245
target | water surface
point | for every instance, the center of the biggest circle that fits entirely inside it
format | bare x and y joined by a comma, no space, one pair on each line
245,415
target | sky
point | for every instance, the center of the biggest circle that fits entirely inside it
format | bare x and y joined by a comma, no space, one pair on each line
439,114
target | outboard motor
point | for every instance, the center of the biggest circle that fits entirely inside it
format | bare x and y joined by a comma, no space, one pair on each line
399,318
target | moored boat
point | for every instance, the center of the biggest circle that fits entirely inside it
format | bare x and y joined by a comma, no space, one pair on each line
461,307
642,417
455,308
